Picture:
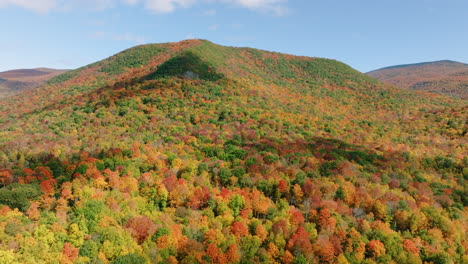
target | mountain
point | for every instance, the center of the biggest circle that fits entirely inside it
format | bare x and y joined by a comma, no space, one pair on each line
192,152
444,77
16,81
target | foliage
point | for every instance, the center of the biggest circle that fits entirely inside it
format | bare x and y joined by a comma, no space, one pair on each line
129,259
255,157
131,58
19,195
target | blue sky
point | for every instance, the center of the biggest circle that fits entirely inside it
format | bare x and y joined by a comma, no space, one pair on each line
366,34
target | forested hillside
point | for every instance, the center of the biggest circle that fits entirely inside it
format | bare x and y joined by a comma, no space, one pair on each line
443,77
192,152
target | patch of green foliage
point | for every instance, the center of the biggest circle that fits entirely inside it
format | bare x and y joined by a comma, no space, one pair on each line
64,77
131,58
129,259
19,195
332,70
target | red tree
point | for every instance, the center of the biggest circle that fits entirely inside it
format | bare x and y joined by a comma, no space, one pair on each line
48,186
376,248
239,229
300,241
70,252
141,227
410,246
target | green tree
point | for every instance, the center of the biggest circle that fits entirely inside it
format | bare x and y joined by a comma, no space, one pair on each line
19,195
130,259
237,203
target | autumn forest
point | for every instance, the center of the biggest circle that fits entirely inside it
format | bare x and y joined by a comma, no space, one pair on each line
192,152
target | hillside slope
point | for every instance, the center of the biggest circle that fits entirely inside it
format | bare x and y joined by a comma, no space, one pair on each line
15,81
193,152
444,77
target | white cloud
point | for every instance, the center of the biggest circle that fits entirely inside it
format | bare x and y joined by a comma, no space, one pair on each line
131,2
277,7
94,5
39,6
167,6
44,6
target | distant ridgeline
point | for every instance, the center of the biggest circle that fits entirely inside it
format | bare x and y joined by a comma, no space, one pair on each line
15,81
191,152
444,77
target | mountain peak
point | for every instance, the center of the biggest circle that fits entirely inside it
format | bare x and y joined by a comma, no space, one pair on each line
198,58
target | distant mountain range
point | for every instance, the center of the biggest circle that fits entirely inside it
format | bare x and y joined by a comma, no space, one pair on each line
445,77
15,81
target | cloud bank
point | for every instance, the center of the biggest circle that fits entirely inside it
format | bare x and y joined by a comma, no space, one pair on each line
276,7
